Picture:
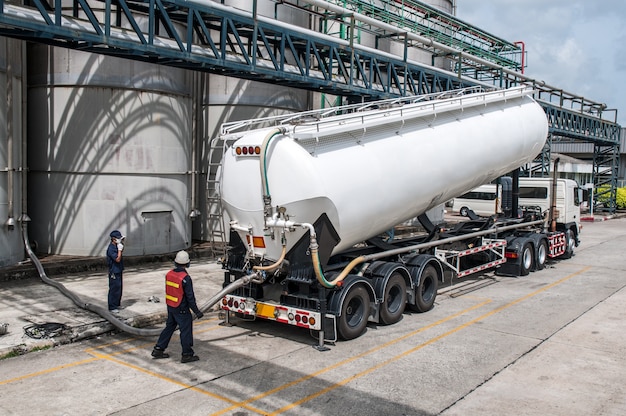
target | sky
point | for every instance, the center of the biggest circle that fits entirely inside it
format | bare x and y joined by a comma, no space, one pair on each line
575,45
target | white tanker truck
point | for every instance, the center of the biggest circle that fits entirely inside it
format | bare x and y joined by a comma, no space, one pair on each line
310,195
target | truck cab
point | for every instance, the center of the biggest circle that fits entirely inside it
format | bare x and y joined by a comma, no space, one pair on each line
537,192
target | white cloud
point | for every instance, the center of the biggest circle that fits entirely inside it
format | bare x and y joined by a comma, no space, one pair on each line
575,45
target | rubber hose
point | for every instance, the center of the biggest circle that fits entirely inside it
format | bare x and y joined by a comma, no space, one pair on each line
104,313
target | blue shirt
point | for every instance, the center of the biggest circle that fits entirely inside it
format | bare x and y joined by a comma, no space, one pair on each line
114,267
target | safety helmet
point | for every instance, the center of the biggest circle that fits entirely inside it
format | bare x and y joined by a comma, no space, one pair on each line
182,257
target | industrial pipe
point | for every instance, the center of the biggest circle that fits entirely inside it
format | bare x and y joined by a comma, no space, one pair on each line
370,257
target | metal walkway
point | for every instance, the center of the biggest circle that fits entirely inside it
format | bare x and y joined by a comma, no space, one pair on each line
207,36
425,20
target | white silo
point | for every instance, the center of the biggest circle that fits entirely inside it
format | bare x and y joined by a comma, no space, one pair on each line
12,57
109,148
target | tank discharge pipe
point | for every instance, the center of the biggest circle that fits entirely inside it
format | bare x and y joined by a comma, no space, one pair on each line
314,247
361,259
104,313
267,197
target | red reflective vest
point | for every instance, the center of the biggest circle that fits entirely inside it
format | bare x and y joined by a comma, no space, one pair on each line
174,288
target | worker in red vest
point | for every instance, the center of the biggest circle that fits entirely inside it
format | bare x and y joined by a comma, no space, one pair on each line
180,301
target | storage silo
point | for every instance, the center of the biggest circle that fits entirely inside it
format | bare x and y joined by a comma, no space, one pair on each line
121,144
11,150
109,148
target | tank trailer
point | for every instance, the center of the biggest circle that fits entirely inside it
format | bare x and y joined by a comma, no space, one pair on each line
311,196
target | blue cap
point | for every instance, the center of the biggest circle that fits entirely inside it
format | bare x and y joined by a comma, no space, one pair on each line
115,234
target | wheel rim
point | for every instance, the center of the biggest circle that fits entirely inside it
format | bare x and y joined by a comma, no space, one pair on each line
542,254
354,312
428,290
570,241
528,258
394,299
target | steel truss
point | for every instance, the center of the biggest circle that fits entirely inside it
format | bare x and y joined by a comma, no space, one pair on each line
207,36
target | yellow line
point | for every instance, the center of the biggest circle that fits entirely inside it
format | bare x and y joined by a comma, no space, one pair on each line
171,380
431,341
91,351
348,360
49,370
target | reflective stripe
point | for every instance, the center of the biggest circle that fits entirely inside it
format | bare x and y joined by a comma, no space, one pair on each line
172,298
173,284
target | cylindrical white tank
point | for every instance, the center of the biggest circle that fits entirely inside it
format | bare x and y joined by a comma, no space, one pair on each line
375,170
109,148
12,140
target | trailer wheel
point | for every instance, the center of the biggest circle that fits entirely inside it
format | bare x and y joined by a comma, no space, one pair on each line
394,300
527,259
426,291
542,255
355,311
463,211
570,243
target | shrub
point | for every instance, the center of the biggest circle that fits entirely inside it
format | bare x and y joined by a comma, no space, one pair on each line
620,198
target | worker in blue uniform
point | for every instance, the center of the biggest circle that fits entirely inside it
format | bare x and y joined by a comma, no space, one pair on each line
116,267
180,300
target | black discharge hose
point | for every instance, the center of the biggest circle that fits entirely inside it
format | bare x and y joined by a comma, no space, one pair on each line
103,312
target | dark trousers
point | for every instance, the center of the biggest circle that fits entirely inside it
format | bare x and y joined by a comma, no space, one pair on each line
115,290
182,319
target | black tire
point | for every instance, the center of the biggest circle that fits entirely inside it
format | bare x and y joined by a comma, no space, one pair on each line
570,243
394,300
542,255
463,211
355,311
426,291
526,260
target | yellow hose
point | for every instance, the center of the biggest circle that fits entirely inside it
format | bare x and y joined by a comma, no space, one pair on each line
275,265
320,274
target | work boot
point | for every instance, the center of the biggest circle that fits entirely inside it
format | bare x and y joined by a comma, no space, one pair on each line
159,353
189,358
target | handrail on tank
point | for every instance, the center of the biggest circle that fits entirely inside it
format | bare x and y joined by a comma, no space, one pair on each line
319,114
318,118
409,109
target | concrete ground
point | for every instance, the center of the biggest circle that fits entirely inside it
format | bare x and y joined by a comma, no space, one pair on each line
551,343
30,307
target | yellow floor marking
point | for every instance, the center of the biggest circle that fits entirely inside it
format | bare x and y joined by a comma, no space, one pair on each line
348,360
171,380
49,370
91,351
431,341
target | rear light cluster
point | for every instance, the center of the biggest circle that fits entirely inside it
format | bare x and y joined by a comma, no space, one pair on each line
234,303
511,255
301,319
248,150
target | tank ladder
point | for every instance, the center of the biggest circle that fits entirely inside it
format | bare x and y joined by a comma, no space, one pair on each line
215,212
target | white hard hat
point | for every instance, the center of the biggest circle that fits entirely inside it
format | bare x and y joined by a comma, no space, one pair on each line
182,257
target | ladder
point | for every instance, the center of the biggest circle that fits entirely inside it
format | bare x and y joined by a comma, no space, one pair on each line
216,228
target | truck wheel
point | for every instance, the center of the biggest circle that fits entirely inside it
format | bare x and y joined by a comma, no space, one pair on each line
426,291
527,259
570,243
463,211
542,255
394,300
355,311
